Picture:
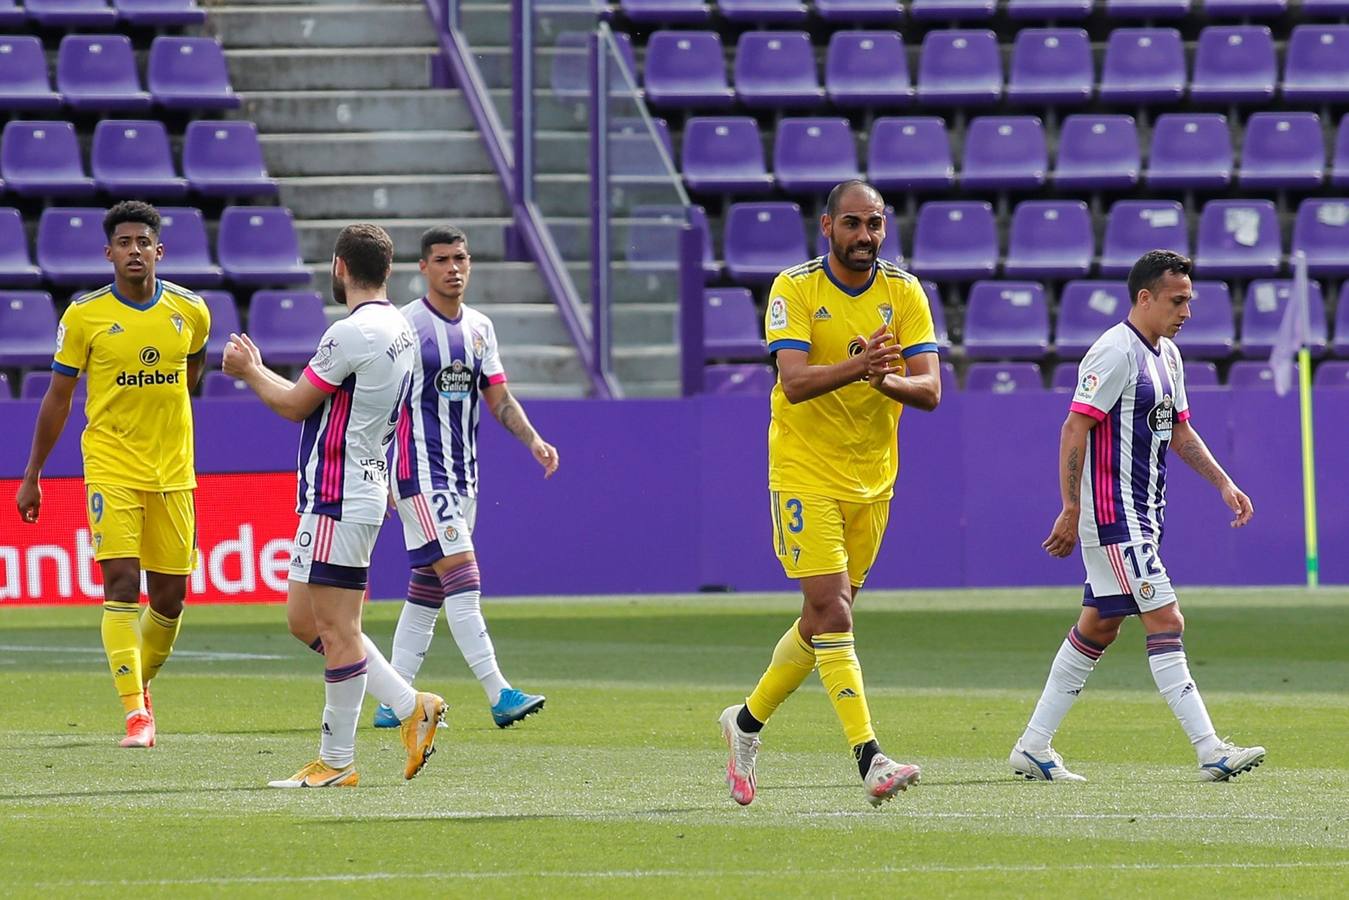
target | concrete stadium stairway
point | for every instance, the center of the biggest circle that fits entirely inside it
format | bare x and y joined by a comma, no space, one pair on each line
352,132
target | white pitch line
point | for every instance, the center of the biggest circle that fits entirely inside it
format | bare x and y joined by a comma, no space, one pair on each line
178,654
694,873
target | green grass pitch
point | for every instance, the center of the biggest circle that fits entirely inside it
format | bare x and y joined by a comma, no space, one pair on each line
616,788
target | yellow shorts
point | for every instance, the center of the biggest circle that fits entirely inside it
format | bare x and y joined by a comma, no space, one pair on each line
814,535
158,528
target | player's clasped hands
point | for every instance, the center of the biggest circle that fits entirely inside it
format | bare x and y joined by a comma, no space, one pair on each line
881,354
1063,536
241,355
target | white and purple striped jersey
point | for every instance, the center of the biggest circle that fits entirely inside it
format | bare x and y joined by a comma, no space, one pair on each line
437,445
1136,394
363,363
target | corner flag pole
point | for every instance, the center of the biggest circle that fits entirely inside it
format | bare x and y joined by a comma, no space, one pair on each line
1304,366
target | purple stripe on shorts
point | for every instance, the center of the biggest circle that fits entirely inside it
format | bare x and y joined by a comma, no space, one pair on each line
345,673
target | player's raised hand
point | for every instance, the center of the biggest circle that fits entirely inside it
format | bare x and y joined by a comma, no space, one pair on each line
29,499
1239,503
546,454
880,354
1063,536
241,355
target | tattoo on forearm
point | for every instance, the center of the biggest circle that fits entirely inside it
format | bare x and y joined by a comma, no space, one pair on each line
512,418
1197,457
1074,474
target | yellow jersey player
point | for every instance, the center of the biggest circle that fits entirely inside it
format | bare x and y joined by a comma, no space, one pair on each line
142,343
854,345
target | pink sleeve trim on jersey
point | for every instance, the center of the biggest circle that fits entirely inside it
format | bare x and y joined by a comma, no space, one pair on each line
1087,409
498,378
1183,415
318,382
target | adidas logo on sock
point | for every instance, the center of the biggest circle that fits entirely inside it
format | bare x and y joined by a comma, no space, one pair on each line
1189,686
326,730
846,692
122,670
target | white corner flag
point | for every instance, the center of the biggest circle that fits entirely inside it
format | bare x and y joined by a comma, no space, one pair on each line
1293,329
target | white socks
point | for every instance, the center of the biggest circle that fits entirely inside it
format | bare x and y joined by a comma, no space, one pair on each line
1171,671
387,686
344,689
1075,660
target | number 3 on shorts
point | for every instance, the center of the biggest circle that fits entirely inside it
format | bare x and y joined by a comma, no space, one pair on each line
795,524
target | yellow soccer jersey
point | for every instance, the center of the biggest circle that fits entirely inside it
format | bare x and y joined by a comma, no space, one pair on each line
843,444
140,419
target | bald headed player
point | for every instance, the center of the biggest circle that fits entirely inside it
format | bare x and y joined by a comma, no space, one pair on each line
854,344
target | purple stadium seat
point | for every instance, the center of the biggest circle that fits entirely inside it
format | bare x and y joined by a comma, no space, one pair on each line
1006,320
950,384
286,325
867,68
189,73
774,12
1244,9
1086,310
1200,375
27,328
890,249
70,244
36,382
687,69
1250,374
98,73
860,12
1331,8
955,240
731,325
910,154
1316,65
1050,239
1321,230
1190,151
939,329
813,155
776,70
187,254
42,159
1143,65
1064,377
1045,10
960,67
739,379
1262,313
634,154
663,12
1234,65
761,240
131,158
224,159
1004,153
1238,239
220,386
1146,9
258,245
1210,331
1051,67
224,321
156,13
1283,150
16,267
951,10
1340,157
1342,322
6,392
1332,375
1137,226
24,84
1004,378
653,237
11,18
724,154
1097,153
70,13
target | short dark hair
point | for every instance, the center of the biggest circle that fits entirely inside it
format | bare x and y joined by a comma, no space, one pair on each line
441,234
1150,268
131,211
368,252
843,188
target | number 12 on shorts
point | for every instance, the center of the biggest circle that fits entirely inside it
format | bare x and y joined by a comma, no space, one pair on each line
1149,554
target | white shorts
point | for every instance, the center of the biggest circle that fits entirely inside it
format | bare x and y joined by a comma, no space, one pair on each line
1126,579
437,524
332,553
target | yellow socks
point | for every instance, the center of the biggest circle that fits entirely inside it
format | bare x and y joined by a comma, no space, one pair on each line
122,642
157,636
793,660
841,674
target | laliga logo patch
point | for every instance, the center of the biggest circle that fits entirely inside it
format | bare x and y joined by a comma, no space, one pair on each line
777,314
1086,388
60,336
149,356
1146,590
